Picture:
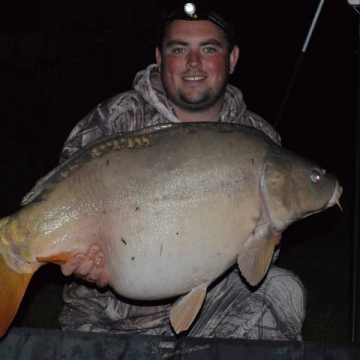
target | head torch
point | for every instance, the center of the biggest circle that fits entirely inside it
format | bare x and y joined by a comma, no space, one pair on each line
191,12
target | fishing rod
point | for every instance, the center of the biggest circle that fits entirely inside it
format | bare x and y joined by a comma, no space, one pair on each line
298,64
354,253
356,232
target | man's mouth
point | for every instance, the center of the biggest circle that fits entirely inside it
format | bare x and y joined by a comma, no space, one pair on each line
194,78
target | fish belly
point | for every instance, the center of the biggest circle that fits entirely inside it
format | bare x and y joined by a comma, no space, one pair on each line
168,250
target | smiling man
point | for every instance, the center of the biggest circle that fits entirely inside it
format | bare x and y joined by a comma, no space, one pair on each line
195,62
195,55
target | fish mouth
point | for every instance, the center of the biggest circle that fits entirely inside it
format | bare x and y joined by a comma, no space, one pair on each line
334,200
335,197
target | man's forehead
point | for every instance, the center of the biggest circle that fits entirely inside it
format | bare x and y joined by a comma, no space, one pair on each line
183,30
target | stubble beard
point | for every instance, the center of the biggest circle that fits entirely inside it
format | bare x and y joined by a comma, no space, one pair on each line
209,98
205,102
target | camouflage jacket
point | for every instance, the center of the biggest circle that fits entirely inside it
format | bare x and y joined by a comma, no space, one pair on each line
147,105
275,310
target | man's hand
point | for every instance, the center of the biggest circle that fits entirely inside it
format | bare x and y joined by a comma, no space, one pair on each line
89,266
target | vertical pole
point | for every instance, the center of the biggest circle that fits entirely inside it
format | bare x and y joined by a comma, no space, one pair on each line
354,253
298,64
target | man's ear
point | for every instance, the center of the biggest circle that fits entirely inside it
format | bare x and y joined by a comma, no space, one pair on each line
234,56
158,56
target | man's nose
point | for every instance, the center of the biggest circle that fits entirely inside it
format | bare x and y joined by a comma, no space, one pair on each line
194,59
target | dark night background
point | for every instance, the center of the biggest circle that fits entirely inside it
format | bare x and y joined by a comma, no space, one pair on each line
60,58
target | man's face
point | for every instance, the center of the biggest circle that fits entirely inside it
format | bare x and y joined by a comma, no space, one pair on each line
195,64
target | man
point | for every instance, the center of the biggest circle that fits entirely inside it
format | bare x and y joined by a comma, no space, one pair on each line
194,57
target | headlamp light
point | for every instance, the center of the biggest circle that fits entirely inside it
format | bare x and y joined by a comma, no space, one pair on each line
190,12
190,9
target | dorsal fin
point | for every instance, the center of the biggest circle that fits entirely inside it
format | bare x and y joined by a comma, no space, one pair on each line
82,156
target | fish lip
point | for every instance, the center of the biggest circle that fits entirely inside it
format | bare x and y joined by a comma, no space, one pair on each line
336,196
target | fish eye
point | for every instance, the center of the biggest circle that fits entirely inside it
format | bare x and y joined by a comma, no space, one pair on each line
315,176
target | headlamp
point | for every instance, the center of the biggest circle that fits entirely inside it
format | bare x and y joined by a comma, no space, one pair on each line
190,9
190,12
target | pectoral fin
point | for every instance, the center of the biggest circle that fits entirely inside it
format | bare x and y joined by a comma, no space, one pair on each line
255,258
185,309
12,289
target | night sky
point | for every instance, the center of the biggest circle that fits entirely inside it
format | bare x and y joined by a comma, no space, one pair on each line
60,58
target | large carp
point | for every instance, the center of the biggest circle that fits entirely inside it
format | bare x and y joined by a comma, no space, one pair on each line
172,206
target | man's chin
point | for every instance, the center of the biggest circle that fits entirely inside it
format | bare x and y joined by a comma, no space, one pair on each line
194,106
195,101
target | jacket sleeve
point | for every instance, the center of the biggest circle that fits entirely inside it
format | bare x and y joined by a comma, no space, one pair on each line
124,112
87,130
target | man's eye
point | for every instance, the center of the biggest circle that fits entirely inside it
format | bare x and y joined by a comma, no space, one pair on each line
179,51
209,50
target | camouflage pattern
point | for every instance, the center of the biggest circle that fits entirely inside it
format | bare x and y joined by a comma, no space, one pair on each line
275,310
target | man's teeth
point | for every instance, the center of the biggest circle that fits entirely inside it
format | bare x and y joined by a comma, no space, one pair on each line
194,78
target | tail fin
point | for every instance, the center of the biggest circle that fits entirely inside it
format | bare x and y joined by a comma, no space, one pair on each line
12,289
